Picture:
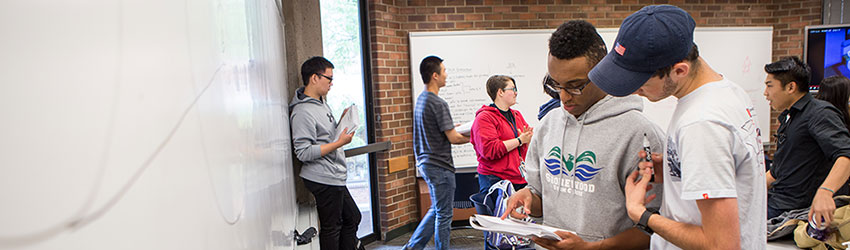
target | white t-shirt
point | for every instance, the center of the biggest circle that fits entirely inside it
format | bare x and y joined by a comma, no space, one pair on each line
714,150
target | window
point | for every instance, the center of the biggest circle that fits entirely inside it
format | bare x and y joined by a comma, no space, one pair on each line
342,43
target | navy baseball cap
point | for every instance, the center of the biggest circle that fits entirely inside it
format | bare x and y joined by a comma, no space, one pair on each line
654,37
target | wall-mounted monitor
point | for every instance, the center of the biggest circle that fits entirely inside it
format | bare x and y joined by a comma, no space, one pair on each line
827,51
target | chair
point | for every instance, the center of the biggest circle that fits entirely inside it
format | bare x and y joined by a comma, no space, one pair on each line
481,207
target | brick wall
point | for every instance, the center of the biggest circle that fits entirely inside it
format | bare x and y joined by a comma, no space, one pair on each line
790,20
391,20
394,113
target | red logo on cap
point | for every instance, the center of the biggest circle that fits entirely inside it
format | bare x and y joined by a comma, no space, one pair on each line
704,195
620,49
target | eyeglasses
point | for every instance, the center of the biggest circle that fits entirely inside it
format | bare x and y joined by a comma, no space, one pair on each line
328,77
555,86
514,89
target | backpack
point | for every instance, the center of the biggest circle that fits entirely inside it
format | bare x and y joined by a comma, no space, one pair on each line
497,201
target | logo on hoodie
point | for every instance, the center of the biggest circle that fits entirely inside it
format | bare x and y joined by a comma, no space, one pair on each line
585,170
554,160
582,168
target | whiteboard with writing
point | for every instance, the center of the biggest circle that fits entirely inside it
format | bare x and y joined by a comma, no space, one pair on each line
470,57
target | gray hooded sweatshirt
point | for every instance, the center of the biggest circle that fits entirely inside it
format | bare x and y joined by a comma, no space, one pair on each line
313,125
579,166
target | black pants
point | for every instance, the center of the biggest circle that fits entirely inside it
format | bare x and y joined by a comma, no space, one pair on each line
338,216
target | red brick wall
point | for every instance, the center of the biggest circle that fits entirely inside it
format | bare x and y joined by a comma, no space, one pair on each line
394,113
789,21
391,20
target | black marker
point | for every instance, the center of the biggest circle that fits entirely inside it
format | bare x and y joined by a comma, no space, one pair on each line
648,157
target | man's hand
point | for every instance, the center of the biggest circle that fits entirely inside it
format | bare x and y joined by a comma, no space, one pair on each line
768,177
569,241
657,160
636,198
521,198
345,137
822,208
822,205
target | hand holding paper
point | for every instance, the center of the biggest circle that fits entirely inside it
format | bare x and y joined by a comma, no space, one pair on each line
464,129
345,137
348,121
569,241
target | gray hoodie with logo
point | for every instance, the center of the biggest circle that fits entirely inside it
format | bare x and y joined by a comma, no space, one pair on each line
313,125
579,166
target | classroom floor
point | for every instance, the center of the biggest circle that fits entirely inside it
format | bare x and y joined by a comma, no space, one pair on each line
462,239
469,239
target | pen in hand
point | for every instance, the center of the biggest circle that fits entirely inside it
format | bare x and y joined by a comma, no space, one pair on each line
648,157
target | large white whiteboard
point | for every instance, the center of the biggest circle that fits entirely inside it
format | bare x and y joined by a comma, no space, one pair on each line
739,53
154,124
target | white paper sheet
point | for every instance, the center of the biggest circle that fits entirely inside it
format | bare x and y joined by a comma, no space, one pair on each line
465,128
513,227
348,120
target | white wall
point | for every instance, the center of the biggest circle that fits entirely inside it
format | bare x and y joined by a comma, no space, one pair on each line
155,124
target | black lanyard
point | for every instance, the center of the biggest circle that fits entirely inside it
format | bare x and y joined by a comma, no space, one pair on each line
509,116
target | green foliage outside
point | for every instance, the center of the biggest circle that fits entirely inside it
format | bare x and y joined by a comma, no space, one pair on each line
342,46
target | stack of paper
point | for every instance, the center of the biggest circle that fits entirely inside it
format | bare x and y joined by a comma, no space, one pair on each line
513,227
348,120
464,129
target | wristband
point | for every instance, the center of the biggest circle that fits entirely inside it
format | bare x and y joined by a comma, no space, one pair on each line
827,189
643,223
520,142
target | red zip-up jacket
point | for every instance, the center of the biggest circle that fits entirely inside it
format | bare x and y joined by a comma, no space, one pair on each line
489,129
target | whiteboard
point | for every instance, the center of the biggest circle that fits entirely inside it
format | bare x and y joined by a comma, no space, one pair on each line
153,124
739,53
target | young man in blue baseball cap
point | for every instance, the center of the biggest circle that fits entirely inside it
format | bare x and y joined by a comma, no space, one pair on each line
713,165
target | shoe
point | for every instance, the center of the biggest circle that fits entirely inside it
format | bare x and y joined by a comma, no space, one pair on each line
306,237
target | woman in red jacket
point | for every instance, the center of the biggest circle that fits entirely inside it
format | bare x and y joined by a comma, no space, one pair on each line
500,136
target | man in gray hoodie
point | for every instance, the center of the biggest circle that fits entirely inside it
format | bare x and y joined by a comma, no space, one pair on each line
581,155
319,147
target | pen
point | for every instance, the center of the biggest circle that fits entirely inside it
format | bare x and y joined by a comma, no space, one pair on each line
648,157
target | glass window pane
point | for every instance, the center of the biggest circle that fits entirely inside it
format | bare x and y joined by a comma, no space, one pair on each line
342,46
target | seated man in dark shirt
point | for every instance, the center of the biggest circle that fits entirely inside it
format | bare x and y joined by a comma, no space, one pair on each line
813,146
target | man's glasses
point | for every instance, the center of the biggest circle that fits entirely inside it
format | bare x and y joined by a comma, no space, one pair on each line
557,87
514,89
328,77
